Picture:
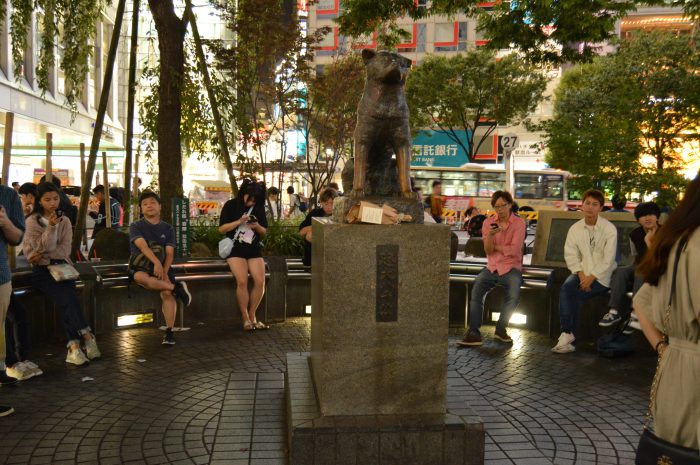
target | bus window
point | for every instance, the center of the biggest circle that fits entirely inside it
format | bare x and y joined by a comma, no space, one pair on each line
424,180
553,187
459,183
527,186
490,183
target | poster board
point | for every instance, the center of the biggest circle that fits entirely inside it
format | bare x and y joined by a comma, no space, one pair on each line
553,226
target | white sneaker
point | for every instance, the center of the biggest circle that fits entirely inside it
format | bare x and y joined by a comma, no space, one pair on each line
91,349
20,371
34,367
76,357
564,344
565,349
634,323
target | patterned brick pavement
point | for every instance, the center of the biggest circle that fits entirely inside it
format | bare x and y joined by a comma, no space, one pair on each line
217,397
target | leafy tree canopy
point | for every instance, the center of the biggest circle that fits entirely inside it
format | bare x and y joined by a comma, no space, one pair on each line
624,118
555,31
465,91
70,22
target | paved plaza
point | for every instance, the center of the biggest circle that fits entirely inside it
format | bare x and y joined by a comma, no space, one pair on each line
218,397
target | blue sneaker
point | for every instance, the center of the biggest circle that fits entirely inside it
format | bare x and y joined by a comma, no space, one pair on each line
610,318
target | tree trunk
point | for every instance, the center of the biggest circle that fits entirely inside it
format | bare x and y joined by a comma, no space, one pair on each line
97,133
171,37
130,111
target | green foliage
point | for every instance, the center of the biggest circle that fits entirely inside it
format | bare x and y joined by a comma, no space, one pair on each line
197,130
328,117
623,119
543,30
78,19
283,238
459,92
206,230
363,17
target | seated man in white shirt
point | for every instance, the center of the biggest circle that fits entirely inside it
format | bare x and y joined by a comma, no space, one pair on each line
589,251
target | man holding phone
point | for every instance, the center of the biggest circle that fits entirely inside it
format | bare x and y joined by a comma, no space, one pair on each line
503,235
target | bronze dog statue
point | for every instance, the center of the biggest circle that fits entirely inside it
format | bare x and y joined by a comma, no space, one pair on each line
383,128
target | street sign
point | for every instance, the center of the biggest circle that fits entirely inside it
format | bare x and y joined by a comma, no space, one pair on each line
509,142
181,224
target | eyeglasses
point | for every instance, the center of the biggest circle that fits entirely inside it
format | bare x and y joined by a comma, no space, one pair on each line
503,205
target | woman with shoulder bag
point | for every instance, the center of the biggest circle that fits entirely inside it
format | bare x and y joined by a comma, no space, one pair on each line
668,307
243,221
47,242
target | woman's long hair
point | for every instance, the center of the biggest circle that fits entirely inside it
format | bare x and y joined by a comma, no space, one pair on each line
680,224
255,190
42,189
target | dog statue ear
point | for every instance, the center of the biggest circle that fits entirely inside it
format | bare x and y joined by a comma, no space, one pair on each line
367,55
407,62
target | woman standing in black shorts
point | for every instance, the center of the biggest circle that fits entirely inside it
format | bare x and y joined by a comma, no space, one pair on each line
243,220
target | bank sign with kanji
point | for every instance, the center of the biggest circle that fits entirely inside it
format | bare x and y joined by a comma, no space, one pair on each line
437,149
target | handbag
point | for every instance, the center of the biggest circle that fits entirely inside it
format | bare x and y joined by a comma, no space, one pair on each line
225,247
63,272
226,244
653,450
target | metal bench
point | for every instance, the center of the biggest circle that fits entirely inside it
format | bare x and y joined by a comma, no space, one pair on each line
196,270
533,278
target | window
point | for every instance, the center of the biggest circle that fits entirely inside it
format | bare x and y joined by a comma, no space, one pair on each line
61,84
536,186
4,42
102,65
460,183
445,39
490,183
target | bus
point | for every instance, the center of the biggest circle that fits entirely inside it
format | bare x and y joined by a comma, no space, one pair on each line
473,184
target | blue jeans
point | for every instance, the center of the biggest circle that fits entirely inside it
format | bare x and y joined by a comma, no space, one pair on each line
623,280
485,281
571,297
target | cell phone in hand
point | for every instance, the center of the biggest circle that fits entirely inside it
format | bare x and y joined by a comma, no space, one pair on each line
252,219
494,225
59,213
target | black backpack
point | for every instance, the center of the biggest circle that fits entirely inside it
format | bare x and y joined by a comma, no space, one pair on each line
615,344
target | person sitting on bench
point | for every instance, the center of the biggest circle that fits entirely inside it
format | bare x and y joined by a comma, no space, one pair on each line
504,235
152,252
625,278
589,251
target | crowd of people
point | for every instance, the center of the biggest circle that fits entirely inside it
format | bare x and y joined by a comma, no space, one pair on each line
663,277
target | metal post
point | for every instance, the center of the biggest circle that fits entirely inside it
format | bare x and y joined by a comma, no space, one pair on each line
82,164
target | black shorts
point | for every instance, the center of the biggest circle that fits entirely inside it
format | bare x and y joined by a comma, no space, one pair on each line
247,251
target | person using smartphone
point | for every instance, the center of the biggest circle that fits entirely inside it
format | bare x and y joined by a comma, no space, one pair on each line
503,235
48,242
243,220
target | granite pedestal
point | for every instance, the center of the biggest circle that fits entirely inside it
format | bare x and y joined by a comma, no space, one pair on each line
376,377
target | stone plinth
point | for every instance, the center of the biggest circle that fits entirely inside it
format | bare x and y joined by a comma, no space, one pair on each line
428,439
379,323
